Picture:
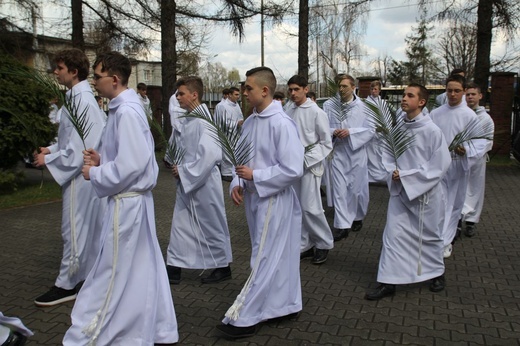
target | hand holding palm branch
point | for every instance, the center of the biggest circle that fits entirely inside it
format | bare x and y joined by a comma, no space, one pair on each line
477,129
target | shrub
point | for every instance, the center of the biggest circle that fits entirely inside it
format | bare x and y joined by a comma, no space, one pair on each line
24,115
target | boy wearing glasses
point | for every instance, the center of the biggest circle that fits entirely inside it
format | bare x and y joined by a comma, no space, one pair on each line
453,118
126,298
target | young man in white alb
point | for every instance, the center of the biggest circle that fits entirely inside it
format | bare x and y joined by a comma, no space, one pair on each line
351,131
313,128
412,238
453,118
82,210
477,173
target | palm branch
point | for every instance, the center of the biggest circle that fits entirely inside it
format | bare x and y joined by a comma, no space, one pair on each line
227,135
477,129
174,153
395,139
79,119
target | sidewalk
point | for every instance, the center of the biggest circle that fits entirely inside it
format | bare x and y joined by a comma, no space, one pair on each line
480,306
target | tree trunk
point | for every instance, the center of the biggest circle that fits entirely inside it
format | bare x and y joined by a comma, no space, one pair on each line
303,39
169,58
77,25
484,37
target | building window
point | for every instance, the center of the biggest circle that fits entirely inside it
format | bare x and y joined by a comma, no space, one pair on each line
147,75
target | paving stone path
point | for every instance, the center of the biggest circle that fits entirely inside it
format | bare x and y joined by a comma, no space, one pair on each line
480,306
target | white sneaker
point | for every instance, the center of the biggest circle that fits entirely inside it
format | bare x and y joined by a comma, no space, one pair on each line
447,250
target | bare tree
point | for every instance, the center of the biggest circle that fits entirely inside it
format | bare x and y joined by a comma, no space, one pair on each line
491,15
337,27
381,65
457,48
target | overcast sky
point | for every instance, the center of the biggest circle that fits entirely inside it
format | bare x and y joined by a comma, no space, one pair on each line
387,27
388,23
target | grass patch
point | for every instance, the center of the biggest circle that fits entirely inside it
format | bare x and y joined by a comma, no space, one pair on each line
502,160
29,193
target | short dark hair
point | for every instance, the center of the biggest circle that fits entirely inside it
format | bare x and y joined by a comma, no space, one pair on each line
115,63
97,97
311,95
424,94
74,59
456,71
278,95
193,84
457,78
141,86
225,91
233,89
473,85
298,80
265,76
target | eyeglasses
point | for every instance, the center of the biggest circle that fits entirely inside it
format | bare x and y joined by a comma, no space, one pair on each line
98,77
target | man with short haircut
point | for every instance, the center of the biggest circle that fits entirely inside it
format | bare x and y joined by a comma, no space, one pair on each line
351,131
273,212
82,210
230,110
126,299
412,238
142,90
376,170
442,99
477,173
199,237
453,118
313,128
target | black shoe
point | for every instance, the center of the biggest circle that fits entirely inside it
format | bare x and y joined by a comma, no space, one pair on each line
174,274
79,285
15,339
438,284
308,253
471,229
357,225
320,256
384,290
341,233
55,296
217,275
234,332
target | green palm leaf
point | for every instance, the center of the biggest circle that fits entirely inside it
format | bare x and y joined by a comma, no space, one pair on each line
78,119
477,129
395,139
227,135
